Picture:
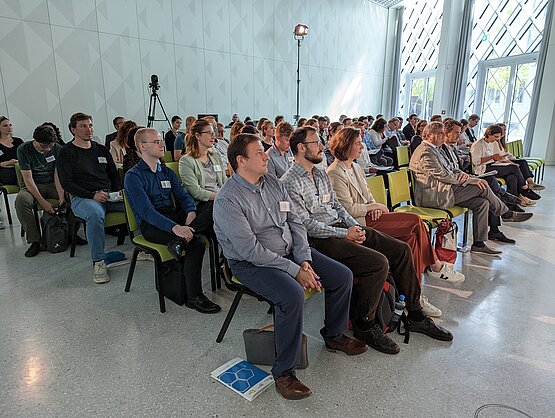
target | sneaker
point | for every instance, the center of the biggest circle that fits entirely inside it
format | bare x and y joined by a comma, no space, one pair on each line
376,339
535,186
428,309
33,250
429,328
100,272
485,250
115,259
145,257
447,273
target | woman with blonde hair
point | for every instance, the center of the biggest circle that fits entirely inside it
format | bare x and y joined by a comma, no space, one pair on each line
235,130
349,183
268,132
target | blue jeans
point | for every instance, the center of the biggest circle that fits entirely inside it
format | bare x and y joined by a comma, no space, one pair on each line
94,213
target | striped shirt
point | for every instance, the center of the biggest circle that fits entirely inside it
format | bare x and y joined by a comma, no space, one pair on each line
316,203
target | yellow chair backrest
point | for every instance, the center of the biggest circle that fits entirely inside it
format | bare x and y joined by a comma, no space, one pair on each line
20,181
168,157
377,189
399,190
518,148
403,156
174,166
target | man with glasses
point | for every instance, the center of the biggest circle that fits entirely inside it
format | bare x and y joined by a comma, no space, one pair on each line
437,184
38,160
280,155
369,253
88,173
150,187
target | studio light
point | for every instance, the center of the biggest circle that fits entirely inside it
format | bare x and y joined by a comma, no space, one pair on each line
301,30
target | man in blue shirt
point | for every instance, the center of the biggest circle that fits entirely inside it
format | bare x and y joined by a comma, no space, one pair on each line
149,187
267,248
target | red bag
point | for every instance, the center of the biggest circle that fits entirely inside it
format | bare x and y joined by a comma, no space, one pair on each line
446,241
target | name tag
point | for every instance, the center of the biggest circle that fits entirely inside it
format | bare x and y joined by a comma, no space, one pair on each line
50,159
217,168
326,198
166,184
102,160
290,159
1,153
285,206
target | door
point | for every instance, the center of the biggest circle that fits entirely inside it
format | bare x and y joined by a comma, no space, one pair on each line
505,93
420,99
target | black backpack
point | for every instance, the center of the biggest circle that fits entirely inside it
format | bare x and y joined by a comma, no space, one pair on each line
55,232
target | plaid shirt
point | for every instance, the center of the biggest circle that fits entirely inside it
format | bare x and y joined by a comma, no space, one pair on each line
316,203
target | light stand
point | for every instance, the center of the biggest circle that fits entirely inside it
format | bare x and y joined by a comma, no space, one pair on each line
154,86
299,33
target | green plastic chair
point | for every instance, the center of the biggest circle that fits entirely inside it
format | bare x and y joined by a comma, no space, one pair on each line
403,157
168,157
7,189
233,284
158,251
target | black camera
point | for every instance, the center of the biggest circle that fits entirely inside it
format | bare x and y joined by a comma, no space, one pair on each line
154,82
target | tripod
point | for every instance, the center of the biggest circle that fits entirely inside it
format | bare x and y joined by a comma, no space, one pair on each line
152,105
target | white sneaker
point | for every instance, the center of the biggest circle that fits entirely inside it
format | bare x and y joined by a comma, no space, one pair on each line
429,309
447,273
100,272
145,257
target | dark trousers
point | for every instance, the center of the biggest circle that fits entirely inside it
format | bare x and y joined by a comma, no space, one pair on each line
192,262
287,295
370,263
524,168
7,176
511,174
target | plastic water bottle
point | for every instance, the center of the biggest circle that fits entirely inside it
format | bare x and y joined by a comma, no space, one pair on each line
396,317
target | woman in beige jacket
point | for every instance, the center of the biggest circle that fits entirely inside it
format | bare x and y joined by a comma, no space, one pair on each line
349,183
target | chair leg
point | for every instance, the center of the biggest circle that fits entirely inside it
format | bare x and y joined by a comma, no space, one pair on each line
212,264
8,211
158,280
131,269
73,226
229,316
121,235
465,230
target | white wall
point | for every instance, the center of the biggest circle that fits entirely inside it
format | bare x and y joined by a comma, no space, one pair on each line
217,56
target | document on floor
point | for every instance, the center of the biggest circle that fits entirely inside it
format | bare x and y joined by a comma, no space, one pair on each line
243,378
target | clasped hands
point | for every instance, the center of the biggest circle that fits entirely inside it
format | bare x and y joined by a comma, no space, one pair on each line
307,278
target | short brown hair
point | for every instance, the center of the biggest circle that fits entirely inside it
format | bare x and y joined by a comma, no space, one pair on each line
342,142
235,129
141,135
76,117
284,129
450,124
299,136
238,147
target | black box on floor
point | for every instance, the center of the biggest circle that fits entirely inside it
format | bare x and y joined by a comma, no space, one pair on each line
173,281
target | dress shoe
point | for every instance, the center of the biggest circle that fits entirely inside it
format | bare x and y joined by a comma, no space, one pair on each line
291,388
428,327
202,304
516,208
33,250
485,250
517,217
535,186
501,237
176,247
376,339
530,194
349,346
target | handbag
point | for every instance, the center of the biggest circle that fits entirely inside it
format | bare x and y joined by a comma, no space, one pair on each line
446,241
260,347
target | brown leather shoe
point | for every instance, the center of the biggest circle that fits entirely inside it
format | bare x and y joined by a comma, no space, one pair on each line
349,346
291,388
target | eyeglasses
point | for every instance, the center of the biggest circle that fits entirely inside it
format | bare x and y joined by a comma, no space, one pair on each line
310,142
208,132
157,142
45,146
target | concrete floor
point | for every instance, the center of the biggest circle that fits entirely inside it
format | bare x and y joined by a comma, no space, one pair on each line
69,347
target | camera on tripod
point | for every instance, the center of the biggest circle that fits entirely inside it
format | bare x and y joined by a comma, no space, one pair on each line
154,83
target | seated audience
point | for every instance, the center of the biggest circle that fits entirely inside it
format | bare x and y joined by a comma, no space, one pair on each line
169,137
118,147
8,152
260,123
201,169
487,155
437,185
234,119
369,253
301,122
149,187
89,174
472,123
280,156
267,249
374,141
221,144
436,118
349,183
179,144
332,130
278,119
131,157
416,140
410,128
117,122
268,132
235,130
59,139
39,163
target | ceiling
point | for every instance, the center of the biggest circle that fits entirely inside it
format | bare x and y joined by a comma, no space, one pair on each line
386,3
